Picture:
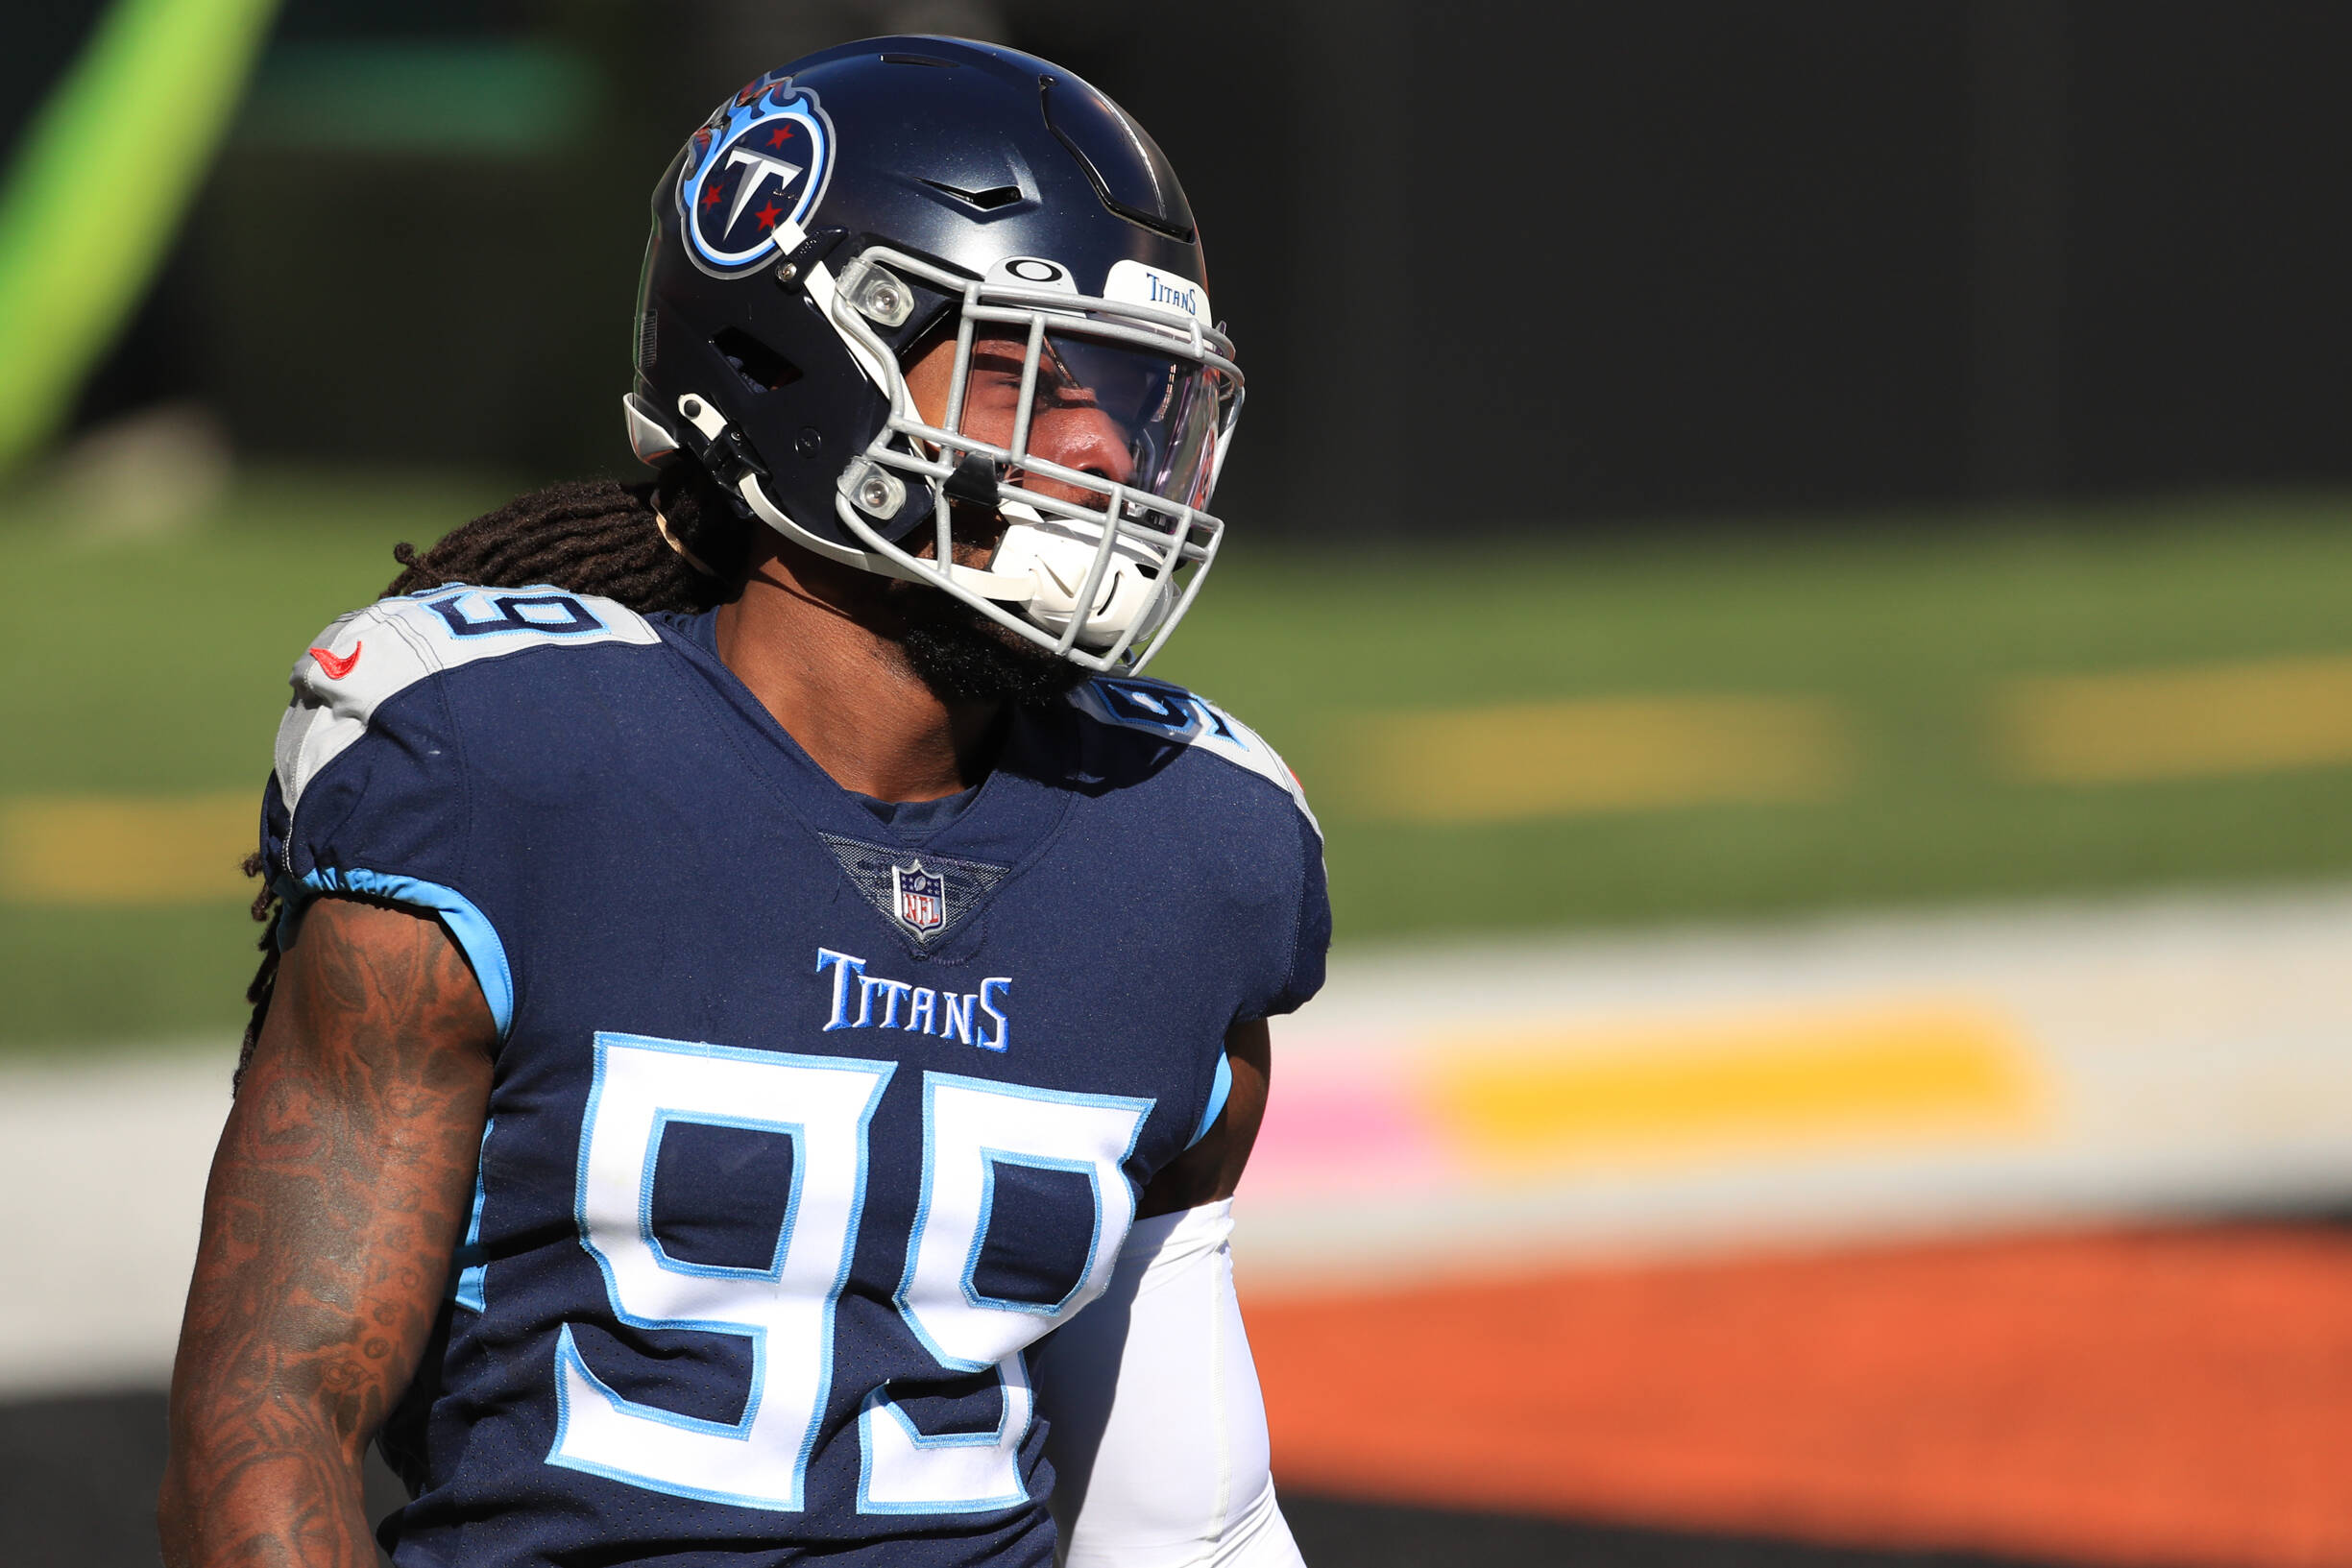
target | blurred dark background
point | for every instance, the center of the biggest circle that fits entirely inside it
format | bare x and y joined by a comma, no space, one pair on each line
1496,264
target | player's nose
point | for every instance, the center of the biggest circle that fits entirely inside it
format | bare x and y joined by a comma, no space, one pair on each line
1086,439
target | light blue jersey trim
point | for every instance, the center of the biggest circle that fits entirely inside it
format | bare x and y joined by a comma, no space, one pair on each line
1217,1092
932,1082
877,1405
663,1118
989,1160
473,1271
475,936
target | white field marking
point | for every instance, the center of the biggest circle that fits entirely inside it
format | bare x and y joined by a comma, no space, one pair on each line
104,1163
2193,1055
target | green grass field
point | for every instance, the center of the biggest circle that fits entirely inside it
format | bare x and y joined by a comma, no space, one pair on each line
156,667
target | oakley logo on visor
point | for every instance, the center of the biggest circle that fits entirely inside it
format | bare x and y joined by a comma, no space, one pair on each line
1032,271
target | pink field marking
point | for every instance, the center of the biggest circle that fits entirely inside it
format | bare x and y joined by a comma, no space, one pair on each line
1364,1133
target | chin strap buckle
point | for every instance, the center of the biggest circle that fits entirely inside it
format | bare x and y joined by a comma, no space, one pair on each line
717,445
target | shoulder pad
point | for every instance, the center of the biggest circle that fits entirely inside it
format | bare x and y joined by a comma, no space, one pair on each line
1174,713
370,656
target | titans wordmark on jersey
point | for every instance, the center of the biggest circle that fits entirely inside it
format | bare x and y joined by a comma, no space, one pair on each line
809,1117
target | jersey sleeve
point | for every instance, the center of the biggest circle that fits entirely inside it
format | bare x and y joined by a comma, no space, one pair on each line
1311,932
1307,940
374,786
1283,826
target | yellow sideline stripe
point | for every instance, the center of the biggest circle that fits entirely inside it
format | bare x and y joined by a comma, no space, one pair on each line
1520,761
1894,1071
126,851
2179,723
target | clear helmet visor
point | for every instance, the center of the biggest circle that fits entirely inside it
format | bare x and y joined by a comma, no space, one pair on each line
1144,421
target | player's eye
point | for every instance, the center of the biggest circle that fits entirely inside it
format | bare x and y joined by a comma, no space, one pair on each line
996,370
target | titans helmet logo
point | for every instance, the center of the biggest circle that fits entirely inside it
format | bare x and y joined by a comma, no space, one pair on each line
752,177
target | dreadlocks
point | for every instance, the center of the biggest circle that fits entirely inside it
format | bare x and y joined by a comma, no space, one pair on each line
676,542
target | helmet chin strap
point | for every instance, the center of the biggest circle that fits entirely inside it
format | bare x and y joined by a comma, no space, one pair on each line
988,585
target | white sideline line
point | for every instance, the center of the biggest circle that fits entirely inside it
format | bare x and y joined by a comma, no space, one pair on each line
105,1161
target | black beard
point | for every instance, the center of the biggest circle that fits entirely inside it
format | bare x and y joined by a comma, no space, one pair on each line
962,656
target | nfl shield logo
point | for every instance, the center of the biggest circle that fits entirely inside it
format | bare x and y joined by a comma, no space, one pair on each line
922,899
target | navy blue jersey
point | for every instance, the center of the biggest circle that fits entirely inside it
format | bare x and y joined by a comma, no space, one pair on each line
809,1117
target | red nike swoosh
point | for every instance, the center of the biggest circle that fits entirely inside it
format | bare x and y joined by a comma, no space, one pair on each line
337,668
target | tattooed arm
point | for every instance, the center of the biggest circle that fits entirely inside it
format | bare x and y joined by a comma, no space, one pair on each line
340,1187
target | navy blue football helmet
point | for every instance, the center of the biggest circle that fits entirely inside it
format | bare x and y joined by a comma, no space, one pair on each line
997,226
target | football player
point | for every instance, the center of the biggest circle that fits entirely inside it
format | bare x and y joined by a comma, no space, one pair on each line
765,1005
